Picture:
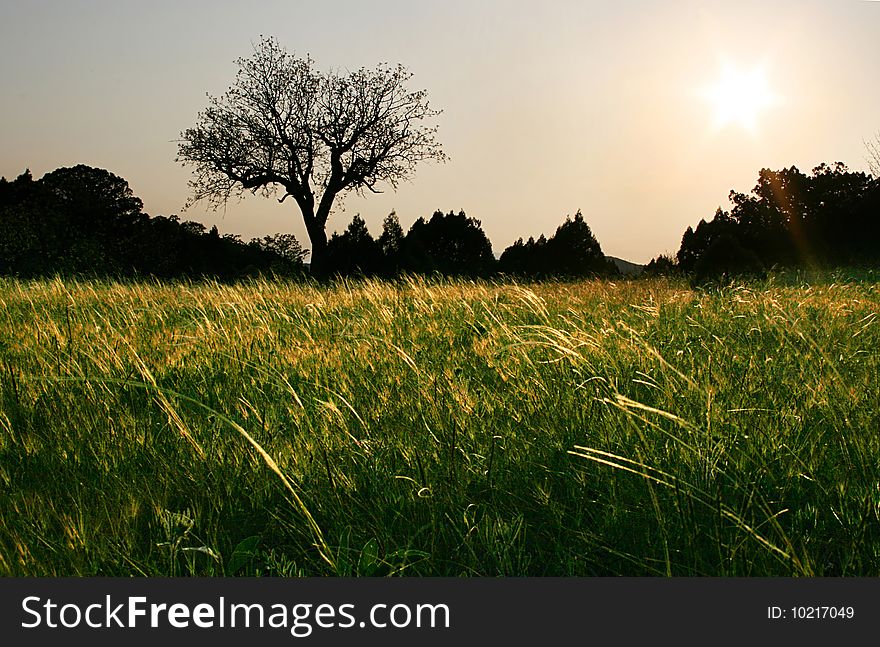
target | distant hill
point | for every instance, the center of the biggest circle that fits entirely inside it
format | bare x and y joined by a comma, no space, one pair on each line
625,267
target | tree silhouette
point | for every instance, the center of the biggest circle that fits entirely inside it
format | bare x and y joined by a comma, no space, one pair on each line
284,253
725,258
103,211
31,231
662,265
575,250
826,218
572,251
72,220
451,244
515,259
86,221
391,244
527,259
694,243
285,246
316,136
354,251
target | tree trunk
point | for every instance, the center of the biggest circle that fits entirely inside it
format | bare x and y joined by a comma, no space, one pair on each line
318,263
316,225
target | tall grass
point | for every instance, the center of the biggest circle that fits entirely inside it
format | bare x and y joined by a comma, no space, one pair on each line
440,428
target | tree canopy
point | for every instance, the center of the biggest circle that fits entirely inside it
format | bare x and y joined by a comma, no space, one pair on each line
829,217
572,251
283,125
452,244
354,251
87,221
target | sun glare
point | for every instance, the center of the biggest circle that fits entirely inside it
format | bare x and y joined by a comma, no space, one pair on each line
738,98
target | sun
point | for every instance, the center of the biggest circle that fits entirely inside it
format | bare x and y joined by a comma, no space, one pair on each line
738,97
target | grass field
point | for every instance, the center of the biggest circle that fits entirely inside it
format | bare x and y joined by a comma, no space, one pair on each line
441,428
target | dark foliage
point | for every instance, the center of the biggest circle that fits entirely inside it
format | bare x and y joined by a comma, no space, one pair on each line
354,252
86,221
828,218
725,258
573,251
391,245
663,265
451,244
528,258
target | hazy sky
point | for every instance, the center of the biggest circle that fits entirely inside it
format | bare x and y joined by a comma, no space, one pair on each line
549,107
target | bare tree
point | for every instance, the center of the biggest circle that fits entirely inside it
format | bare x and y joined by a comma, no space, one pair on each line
873,148
316,136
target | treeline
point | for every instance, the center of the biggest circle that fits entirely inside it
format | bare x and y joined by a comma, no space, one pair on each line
450,244
453,244
572,251
826,219
86,221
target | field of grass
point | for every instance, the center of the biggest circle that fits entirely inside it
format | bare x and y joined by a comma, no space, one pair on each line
440,428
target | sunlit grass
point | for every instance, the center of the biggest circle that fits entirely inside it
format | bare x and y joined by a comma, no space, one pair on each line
440,428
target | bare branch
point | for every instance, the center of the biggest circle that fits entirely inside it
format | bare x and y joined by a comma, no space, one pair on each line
873,148
315,135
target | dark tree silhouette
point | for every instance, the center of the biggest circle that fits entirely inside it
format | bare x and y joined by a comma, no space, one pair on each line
694,243
95,194
285,246
316,136
827,218
354,252
31,231
391,244
527,259
575,250
572,251
451,244
725,258
87,221
515,259
71,220
102,210
662,265
283,254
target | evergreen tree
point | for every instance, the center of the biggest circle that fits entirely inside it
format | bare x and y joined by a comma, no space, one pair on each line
391,244
451,244
573,251
354,252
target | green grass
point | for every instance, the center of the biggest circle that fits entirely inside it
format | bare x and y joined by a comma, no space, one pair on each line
440,428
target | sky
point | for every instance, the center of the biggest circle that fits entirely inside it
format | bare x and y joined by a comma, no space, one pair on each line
643,115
